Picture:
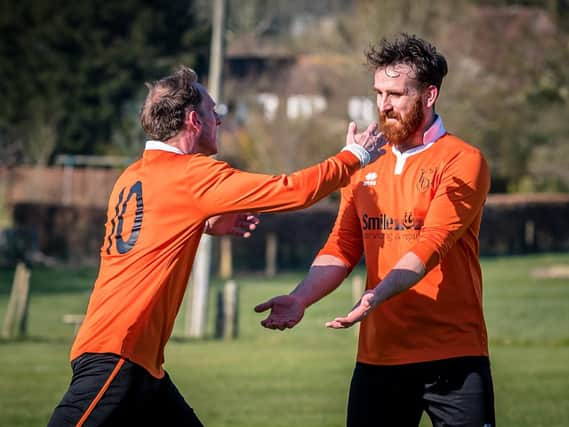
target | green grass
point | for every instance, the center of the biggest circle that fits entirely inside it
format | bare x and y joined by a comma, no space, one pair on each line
298,377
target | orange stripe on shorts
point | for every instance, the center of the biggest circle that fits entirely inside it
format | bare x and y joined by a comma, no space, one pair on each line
100,394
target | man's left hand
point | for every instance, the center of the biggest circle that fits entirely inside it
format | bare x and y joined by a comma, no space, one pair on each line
238,224
360,311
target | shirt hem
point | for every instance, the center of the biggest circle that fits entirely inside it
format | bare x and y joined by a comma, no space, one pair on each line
391,361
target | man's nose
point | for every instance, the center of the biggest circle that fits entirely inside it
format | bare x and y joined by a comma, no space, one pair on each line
384,104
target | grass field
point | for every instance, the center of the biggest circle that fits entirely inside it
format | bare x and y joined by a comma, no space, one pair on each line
299,377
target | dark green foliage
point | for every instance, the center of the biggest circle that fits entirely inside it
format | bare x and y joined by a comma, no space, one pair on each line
72,66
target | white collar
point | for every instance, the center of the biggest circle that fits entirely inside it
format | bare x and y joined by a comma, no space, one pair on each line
159,145
431,135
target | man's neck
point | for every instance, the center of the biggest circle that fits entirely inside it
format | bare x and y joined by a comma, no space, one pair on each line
181,142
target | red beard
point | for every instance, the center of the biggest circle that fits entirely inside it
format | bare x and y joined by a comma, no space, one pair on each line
397,133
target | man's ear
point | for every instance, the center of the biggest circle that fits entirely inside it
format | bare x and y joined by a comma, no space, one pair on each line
430,96
193,120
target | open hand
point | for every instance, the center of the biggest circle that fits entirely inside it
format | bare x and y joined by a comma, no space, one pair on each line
286,312
370,139
237,224
363,307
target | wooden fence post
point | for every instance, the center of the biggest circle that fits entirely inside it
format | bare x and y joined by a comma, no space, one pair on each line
529,236
271,255
197,292
17,312
225,258
231,310
227,317
219,322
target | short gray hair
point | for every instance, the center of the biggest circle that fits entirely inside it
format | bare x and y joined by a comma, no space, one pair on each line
164,110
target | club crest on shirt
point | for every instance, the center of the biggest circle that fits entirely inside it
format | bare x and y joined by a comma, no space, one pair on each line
425,179
408,220
370,179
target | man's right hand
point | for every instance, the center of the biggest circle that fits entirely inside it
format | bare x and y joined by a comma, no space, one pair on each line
286,312
371,139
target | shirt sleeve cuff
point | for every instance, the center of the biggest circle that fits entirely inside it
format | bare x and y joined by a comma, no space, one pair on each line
349,265
360,152
350,159
427,254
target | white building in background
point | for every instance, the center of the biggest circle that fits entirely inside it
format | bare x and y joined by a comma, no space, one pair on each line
270,105
297,106
304,106
359,108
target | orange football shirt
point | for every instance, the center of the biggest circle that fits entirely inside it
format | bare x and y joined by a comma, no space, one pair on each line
156,215
427,200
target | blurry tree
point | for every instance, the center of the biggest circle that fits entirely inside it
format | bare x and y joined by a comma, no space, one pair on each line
507,89
71,75
548,98
380,19
283,146
271,17
508,83
70,70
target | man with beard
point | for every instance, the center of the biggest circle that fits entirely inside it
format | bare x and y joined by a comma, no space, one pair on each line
415,215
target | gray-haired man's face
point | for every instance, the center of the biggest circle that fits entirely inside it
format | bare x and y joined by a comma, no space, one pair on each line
207,138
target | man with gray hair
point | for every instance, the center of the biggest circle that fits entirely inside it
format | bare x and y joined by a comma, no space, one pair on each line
157,212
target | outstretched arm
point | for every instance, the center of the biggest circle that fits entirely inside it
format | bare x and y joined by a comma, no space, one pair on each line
226,189
339,255
407,272
325,275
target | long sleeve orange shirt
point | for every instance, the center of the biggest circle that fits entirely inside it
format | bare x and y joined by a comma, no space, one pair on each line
427,200
156,215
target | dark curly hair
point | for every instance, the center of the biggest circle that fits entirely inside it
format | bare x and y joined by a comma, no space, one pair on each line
163,112
429,65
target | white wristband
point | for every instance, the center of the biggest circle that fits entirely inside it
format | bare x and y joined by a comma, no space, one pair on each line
360,152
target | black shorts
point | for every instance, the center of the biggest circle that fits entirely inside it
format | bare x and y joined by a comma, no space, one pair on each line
453,392
107,390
